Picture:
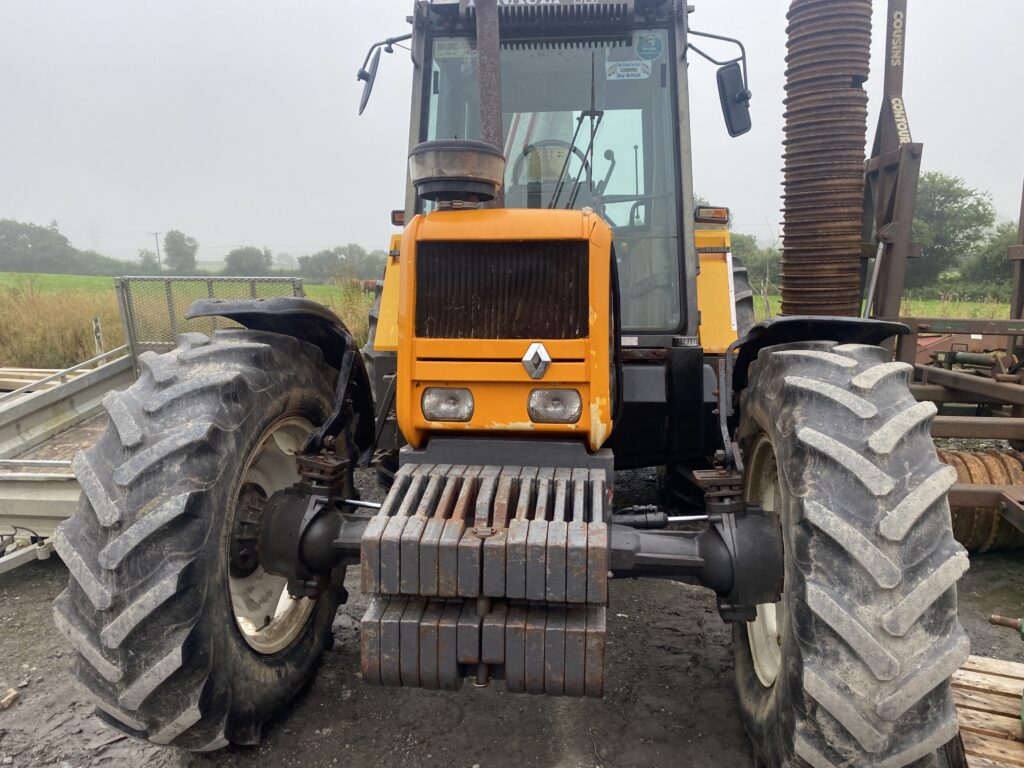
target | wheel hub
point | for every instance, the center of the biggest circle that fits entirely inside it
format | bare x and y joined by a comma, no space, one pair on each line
268,618
764,634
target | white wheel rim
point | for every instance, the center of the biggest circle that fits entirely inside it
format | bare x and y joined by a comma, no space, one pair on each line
764,634
268,618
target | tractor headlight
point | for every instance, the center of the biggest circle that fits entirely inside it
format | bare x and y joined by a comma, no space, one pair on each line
447,404
555,406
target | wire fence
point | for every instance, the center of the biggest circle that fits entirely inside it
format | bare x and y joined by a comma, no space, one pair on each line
153,308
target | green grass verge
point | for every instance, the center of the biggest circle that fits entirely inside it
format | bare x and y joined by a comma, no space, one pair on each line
986,310
46,320
40,283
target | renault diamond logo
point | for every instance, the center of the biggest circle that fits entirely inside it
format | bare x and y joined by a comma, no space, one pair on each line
536,360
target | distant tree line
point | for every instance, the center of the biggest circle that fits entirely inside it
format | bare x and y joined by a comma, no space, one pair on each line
34,248
963,251
28,247
963,248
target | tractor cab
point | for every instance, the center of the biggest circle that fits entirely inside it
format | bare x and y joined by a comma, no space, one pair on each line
538,330
593,102
589,122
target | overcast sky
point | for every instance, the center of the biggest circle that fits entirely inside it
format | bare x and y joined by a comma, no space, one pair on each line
236,121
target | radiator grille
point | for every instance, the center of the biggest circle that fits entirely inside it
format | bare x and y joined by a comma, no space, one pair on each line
502,290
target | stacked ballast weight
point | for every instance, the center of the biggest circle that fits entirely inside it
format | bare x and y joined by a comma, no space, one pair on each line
485,572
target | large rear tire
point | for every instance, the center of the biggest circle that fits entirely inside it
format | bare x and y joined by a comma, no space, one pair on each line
181,638
851,667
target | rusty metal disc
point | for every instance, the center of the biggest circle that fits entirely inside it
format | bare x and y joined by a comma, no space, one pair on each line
828,58
981,529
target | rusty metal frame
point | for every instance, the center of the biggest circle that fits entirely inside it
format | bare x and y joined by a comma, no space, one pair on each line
977,427
906,346
890,183
1000,391
942,385
890,197
1015,254
1008,499
1011,504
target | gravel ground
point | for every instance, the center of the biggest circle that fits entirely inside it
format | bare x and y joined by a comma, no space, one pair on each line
670,697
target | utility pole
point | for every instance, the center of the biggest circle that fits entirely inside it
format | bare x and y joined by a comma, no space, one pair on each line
159,266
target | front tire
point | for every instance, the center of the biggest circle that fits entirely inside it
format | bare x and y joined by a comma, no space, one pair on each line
866,635
181,638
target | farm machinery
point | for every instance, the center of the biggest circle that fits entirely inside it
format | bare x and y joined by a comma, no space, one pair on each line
556,310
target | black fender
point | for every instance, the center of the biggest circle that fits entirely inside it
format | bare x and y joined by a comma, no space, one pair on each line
787,330
316,324
734,368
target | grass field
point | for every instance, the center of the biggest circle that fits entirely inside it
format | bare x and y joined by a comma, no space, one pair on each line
46,320
917,308
45,284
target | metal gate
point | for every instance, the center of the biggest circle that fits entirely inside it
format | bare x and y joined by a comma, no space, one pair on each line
153,308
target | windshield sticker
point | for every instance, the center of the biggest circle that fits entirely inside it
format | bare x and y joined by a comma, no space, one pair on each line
649,47
456,48
629,70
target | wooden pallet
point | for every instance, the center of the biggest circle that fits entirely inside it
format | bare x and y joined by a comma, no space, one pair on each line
988,700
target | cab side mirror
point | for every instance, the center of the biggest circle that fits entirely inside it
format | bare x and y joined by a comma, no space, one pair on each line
368,76
735,98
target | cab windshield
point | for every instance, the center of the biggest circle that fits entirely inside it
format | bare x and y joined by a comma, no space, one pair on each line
587,124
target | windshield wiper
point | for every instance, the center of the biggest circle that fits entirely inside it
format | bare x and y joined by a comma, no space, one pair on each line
592,113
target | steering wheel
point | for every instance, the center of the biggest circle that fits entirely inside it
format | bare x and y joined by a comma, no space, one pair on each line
517,169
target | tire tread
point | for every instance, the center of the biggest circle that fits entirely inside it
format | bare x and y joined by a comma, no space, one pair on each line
874,582
135,598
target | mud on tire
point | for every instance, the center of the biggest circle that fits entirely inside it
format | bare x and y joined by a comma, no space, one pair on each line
147,606
868,624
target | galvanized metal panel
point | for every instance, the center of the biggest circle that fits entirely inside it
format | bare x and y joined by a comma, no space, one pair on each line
31,421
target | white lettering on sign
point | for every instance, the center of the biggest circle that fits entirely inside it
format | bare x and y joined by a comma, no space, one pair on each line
629,70
896,55
899,113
